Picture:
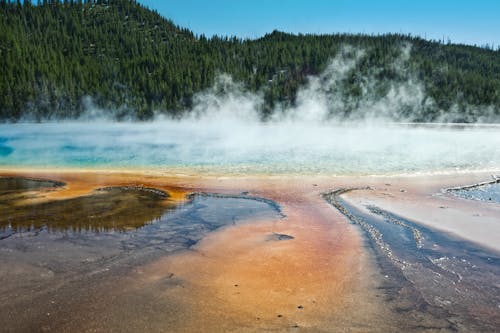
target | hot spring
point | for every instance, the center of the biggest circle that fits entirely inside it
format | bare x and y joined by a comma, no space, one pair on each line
226,146
129,226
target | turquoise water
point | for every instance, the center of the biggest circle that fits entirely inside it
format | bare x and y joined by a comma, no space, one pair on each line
241,148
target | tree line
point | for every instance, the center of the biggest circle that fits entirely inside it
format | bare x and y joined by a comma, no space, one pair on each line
58,55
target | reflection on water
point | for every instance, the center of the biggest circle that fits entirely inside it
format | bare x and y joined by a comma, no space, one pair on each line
19,184
121,208
434,280
123,217
106,209
53,260
14,190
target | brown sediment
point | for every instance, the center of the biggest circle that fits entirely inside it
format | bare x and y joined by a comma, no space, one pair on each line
235,279
82,182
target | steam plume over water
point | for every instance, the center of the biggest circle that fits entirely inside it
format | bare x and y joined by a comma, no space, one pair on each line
323,132
231,145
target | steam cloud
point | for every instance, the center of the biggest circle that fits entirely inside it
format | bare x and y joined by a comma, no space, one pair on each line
323,98
324,132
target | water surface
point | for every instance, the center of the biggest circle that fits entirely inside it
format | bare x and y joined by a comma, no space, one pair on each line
487,192
236,147
58,256
436,281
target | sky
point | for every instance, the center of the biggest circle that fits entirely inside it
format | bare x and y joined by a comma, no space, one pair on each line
474,22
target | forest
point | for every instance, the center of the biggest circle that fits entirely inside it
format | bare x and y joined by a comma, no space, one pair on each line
59,58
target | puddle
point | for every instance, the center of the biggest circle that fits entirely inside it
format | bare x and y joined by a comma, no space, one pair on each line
19,184
135,224
103,210
136,216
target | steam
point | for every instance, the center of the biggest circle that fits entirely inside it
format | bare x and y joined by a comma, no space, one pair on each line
328,97
348,90
235,146
324,131
226,101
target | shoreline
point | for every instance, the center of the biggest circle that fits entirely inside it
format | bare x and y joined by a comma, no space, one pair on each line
429,204
403,194
443,276
276,287
322,277
209,172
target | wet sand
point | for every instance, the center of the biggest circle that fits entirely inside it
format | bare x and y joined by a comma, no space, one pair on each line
445,282
243,277
425,199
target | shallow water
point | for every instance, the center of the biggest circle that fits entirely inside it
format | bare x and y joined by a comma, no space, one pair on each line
138,213
434,280
238,147
487,193
60,255
16,184
110,209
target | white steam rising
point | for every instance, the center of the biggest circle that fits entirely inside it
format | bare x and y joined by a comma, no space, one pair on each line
323,98
251,147
224,132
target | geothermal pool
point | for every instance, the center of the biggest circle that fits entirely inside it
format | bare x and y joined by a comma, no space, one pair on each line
232,226
239,147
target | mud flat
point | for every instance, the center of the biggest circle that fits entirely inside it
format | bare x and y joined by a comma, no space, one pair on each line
244,253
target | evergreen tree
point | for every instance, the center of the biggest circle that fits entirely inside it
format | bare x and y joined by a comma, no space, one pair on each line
129,59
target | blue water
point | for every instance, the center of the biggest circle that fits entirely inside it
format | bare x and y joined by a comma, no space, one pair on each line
488,193
242,148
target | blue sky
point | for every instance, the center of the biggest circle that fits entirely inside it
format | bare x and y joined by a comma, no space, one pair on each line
470,22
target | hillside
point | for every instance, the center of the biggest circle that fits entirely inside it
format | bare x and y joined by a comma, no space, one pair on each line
61,58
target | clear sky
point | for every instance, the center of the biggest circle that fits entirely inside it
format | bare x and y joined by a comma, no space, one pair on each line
470,22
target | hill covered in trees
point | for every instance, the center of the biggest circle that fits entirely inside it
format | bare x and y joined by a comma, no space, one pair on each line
58,57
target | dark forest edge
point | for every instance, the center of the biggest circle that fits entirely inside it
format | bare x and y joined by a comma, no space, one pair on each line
61,58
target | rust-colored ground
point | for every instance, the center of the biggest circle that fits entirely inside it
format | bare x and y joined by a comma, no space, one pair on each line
237,278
